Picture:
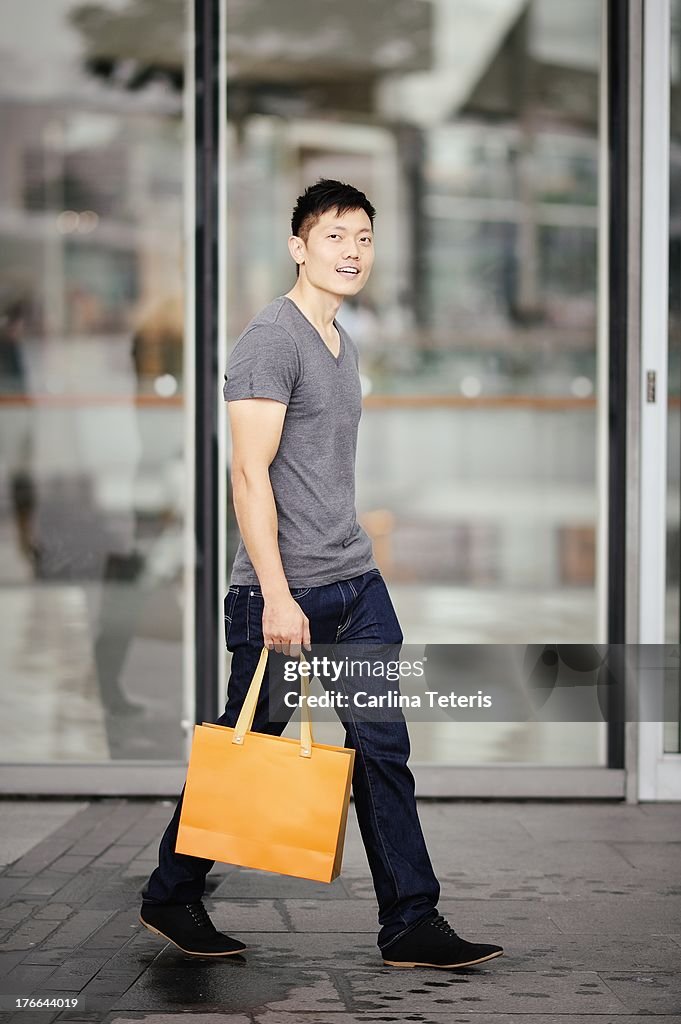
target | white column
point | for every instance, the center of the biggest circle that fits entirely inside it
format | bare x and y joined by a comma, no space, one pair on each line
653,383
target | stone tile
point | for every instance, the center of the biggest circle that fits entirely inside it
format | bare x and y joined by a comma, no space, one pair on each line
659,859
108,830
229,987
569,905
449,1017
175,1018
9,960
513,857
482,989
76,971
70,863
28,934
532,886
9,886
39,857
243,882
500,921
76,930
332,916
483,887
103,890
323,951
13,913
45,957
589,953
235,916
103,942
116,855
84,820
120,972
33,1017
599,821
662,808
646,992
76,889
118,930
54,911
633,917
27,979
147,831
46,884
616,887
25,823
140,869
477,822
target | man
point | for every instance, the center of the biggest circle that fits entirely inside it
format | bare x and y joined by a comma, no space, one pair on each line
304,571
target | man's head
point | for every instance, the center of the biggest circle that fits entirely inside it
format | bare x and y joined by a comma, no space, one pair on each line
332,228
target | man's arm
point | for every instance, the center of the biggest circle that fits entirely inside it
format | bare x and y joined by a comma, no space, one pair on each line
256,425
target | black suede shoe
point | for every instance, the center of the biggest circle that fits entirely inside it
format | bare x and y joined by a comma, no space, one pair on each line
189,927
434,943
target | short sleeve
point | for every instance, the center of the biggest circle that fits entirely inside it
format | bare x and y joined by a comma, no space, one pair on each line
264,363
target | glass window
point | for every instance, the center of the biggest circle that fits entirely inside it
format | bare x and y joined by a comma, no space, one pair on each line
475,133
92,440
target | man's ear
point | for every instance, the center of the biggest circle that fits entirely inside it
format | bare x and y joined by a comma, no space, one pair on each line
296,246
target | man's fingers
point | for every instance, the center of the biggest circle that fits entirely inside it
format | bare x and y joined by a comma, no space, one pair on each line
289,640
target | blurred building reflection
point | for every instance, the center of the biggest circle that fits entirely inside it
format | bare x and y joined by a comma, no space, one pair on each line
477,133
476,130
92,482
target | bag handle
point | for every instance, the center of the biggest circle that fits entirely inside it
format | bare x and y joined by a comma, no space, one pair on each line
244,722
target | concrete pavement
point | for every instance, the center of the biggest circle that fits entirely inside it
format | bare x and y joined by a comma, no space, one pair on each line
585,898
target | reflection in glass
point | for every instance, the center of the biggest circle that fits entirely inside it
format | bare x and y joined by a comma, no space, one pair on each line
474,130
92,489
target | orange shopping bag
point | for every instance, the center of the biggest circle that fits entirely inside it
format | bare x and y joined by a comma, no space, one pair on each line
267,802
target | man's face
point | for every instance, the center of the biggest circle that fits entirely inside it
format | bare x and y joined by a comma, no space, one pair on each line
336,242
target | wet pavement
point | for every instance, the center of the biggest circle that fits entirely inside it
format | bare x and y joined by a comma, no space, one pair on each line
584,897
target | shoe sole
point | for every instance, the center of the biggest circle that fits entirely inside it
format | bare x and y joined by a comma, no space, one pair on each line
468,963
189,952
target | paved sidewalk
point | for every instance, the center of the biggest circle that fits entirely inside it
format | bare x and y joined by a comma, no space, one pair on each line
585,899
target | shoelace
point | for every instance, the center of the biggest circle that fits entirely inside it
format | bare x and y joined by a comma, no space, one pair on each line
443,924
199,914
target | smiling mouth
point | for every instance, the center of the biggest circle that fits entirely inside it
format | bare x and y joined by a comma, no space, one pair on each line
348,271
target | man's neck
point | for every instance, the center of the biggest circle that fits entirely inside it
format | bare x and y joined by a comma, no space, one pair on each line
319,307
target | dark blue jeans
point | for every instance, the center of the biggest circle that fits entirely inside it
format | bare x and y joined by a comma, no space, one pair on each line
356,611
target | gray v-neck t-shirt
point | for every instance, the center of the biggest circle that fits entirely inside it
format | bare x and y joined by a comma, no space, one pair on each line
281,355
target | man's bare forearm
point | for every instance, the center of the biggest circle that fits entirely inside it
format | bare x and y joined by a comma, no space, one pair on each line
256,514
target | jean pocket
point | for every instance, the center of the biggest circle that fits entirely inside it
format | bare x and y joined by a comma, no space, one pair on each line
297,592
230,603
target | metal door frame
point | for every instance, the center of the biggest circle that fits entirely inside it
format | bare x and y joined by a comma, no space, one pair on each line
659,774
626,569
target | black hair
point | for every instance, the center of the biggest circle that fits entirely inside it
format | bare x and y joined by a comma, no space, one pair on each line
326,194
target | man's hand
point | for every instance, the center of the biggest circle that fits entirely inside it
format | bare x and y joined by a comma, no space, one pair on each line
285,625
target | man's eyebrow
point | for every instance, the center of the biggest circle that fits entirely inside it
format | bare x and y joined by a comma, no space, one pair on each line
364,231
